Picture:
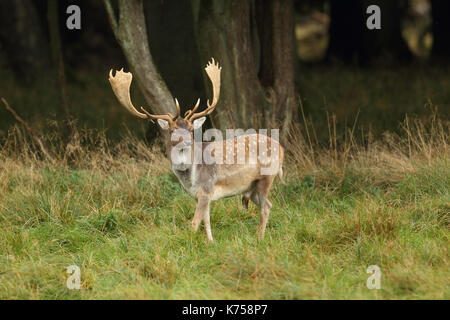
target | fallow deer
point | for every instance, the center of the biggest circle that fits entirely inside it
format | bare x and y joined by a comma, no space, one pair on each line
212,181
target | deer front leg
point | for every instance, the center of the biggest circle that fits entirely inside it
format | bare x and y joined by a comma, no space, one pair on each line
202,207
198,216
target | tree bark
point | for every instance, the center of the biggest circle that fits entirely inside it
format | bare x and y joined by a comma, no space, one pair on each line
253,41
441,30
131,33
275,22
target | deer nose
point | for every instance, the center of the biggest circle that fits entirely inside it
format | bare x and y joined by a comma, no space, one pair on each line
184,148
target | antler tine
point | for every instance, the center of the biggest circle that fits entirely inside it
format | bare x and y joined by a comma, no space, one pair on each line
196,105
152,117
120,85
169,117
213,70
178,109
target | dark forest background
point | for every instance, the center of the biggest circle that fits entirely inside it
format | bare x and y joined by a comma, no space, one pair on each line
275,54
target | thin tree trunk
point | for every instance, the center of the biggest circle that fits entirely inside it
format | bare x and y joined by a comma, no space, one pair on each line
58,62
131,33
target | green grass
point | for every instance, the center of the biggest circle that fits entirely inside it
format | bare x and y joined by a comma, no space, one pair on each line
127,226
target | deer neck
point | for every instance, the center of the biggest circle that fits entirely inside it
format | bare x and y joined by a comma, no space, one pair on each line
185,172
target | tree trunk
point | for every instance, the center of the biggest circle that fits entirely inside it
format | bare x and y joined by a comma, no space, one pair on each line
23,40
441,30
174,50
223,32
131,33
253,41
275,22
352,41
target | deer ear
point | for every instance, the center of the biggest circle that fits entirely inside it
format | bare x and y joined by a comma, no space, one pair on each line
198,122
164,124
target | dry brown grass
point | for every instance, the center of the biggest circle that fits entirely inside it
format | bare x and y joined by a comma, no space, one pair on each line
384,161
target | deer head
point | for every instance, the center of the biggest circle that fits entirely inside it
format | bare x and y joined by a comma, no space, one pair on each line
180,128
192,119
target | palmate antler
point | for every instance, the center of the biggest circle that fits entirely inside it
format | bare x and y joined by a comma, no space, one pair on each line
213,71
121,83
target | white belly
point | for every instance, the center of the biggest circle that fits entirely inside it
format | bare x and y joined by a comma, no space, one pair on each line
220,192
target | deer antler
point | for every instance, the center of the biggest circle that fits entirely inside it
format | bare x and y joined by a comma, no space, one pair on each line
120,84
213,71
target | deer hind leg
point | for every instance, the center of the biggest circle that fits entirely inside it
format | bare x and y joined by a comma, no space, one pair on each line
259,197
255,198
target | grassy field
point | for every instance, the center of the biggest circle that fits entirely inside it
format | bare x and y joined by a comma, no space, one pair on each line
122,217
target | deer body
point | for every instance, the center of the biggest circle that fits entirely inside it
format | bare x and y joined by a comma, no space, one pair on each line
210,182
235,170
